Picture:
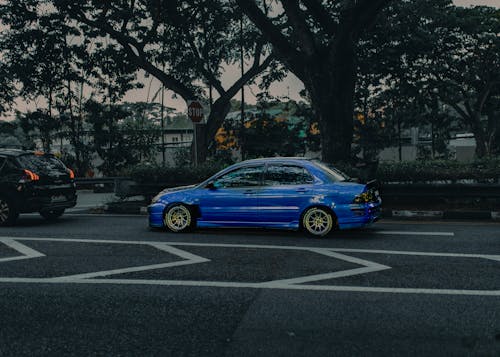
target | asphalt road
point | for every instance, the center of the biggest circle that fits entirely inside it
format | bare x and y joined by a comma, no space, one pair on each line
107,285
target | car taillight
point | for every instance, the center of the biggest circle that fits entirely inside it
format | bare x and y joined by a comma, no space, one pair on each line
366,197
71,174
29,176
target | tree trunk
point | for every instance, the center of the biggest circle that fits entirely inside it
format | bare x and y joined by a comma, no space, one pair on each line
481,139
220,109
481,150
331,86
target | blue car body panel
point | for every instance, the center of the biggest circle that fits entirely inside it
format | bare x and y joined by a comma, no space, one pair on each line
279,206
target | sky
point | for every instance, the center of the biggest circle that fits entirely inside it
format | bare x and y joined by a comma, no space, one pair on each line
289,87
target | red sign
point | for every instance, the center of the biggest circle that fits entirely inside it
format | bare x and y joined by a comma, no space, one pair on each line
195,111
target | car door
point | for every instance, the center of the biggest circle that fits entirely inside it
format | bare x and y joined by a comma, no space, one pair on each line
287,189
232,198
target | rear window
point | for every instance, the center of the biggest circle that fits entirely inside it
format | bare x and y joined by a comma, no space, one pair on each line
41,163
333,174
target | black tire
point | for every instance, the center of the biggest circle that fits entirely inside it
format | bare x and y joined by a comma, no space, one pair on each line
8,212
52,214
318,222
178,218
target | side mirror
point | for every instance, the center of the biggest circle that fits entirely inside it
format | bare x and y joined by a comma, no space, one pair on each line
210,186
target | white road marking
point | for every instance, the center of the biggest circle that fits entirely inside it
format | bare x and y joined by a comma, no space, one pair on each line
27,252
407,233
190,259
221,284
285,284
368,267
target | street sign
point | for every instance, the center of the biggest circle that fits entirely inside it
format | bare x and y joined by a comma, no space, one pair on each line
195,111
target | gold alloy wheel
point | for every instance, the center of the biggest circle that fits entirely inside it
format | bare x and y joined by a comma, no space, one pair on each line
177,218
317,221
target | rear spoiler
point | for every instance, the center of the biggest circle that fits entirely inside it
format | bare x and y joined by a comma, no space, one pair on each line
373,184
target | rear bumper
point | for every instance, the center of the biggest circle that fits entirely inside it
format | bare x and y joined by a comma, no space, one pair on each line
359,215
37,204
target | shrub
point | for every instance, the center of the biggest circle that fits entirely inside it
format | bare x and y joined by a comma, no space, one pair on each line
155,174
439,170
485,170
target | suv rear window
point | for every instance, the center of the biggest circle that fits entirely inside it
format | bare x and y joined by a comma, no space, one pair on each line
41,163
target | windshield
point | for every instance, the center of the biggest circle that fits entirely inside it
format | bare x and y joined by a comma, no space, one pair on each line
333,174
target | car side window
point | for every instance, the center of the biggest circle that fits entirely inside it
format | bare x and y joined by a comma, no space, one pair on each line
242,177
277,175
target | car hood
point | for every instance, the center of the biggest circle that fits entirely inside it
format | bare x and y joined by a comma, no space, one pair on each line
177,189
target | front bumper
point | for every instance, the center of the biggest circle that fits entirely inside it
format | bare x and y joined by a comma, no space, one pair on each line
155,213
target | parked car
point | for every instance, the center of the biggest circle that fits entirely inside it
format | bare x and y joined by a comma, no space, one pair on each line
289,193
33,182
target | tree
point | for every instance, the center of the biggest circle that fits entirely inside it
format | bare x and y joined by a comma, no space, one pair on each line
316,40
184,44
435,65
40,125
7,90
466,71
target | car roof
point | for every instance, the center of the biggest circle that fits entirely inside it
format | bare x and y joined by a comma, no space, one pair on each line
13,152
17,152
275,159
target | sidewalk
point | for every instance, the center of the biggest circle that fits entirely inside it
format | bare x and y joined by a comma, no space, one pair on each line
89,201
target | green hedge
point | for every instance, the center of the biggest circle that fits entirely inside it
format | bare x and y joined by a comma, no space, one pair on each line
439,170
151,174
414,171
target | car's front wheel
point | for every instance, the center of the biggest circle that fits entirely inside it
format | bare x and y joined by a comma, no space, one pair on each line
52,214
178,218
8,212
318,221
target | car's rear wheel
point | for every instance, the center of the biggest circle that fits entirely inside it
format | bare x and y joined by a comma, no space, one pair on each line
318,221
52,214
8,212
178,218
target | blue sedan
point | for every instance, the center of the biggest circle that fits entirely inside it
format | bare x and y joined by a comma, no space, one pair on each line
287,193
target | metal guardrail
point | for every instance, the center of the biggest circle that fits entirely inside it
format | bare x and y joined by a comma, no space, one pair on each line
98,180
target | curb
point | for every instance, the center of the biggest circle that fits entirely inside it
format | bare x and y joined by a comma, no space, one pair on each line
469,215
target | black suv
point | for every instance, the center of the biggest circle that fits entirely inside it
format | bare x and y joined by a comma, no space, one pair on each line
33,182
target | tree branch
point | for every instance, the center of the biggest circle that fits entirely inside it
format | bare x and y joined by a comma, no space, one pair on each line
299,26
282,46
320,14
361,15
138,56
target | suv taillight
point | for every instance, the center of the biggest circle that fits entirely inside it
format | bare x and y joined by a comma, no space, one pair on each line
29,176
71,174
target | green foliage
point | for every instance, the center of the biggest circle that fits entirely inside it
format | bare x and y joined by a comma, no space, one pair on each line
432,64
122,136
266,136
40,124
439,170
412,171
153,174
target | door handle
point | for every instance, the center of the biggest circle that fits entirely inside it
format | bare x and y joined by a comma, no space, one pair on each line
249,192
301,190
